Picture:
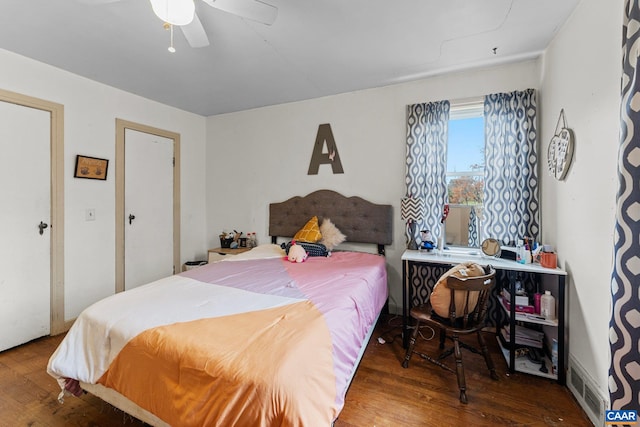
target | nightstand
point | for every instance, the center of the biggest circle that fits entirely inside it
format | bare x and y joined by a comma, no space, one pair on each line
217,254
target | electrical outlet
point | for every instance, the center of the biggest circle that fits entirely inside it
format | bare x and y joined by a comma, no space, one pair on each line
90,215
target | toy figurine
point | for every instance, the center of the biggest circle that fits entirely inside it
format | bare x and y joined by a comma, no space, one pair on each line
427,240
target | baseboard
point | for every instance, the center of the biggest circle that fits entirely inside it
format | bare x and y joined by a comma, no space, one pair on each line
68,324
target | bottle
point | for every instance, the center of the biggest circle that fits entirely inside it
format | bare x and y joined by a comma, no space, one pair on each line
536,303
520,252
554,356
548,306
518,286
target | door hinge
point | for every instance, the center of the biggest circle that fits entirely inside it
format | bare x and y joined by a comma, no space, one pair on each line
174,162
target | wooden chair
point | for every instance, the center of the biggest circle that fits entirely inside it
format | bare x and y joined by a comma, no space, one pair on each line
468,319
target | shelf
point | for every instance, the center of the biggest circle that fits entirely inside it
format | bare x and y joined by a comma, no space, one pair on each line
531,318
523,364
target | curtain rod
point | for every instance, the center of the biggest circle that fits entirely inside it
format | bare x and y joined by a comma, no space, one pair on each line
461,102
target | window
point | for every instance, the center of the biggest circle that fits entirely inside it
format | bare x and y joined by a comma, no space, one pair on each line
465,172
510,207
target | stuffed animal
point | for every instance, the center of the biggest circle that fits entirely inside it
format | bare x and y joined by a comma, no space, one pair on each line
427,240
297,253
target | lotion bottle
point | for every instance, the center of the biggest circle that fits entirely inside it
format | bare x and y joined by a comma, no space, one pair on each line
548,306
520,252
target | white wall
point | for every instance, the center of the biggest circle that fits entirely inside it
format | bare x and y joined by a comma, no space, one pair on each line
260,156
582,74
90,111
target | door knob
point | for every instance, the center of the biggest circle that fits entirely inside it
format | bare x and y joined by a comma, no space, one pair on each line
42,226
131,218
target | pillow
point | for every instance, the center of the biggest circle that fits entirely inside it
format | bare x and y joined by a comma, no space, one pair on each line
331,236
310,232
441,296
313,249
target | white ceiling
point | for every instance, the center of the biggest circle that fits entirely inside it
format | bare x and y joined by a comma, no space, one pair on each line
314,48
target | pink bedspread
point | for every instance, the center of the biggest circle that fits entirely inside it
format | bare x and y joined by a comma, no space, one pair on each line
349,288
251,342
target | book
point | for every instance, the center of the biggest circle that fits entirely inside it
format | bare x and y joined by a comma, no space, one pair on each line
524,336
520,299
519,308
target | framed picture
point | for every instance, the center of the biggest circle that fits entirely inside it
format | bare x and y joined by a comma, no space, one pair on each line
91,168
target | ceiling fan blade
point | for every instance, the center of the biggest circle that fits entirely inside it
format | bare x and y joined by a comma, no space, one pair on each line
97,1
254,10
194,33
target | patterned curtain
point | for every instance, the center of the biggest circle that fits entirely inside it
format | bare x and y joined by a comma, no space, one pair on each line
511,202
624,334
427,132
474,238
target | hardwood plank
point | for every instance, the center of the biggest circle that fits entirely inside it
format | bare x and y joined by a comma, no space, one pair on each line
382,393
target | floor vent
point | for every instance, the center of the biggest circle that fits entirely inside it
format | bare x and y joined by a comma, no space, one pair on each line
587,394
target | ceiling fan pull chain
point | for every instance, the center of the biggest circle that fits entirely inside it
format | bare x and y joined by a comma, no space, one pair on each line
171,48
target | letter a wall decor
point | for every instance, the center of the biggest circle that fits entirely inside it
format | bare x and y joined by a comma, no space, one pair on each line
331,156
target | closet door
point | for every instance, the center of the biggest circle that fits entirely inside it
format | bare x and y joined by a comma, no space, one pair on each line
25,243
148,207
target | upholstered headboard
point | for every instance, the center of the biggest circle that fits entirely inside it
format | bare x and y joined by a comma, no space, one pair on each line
361,221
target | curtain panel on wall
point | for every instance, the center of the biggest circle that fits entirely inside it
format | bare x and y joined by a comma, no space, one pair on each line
426,168
511,201
474,237
624,331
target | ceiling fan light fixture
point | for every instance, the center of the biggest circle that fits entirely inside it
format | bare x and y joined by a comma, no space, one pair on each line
175,12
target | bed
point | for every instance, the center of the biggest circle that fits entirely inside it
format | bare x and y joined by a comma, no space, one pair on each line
251,340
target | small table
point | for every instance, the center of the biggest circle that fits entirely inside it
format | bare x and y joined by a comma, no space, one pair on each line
216,254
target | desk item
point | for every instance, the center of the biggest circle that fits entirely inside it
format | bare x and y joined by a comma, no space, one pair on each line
508,252
554,356
427,243
443,231
536,303
491,247
412,210
548,306
548,260
520,299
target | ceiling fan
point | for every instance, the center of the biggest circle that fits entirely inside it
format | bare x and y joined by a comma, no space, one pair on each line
182,13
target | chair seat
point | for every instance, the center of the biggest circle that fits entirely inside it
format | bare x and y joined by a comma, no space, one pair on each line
425,313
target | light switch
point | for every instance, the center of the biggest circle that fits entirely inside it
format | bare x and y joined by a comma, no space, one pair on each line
90,215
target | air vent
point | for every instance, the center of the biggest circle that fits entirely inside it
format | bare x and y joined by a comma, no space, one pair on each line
586,393
593,401
577,382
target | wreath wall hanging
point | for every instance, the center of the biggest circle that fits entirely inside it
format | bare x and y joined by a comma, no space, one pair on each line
560,151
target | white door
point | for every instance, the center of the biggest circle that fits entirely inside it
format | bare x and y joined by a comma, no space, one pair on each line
148,208
25,248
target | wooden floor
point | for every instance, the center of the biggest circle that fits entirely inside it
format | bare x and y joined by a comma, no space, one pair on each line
382,393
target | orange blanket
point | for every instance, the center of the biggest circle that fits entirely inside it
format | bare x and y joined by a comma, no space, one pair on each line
228,379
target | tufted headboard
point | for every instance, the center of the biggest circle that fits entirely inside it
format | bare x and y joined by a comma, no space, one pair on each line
361,221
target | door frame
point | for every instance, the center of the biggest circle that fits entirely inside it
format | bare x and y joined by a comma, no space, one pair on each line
56,229
121,126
